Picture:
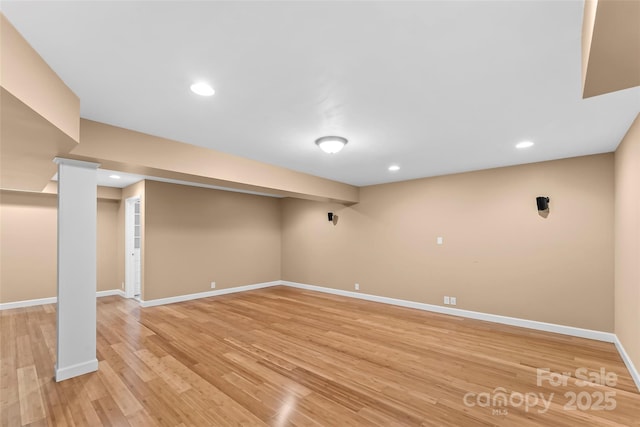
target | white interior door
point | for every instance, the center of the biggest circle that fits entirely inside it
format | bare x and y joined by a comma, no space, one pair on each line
132,247
136,249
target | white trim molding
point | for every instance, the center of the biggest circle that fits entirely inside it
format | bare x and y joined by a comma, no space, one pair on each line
27,303
207,294
505,320
109,293
76,163
76,370
627,361
52,300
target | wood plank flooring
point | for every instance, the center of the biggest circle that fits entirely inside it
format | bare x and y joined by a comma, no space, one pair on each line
283,356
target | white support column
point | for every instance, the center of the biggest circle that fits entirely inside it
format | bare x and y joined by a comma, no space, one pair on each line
77,211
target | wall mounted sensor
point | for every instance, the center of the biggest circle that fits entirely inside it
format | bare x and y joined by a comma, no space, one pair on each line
542,202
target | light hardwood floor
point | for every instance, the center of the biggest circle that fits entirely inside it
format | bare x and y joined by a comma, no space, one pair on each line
283,356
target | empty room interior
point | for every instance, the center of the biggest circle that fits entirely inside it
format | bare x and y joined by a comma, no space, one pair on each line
320,213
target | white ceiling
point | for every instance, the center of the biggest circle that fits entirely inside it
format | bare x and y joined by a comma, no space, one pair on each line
436,87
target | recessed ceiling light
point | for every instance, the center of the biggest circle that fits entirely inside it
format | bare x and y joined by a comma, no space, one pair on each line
202,89
394,168
524,144
331,144
114,176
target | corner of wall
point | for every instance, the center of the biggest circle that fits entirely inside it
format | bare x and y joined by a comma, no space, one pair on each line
627,243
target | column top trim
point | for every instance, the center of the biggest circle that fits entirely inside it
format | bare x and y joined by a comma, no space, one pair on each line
77,163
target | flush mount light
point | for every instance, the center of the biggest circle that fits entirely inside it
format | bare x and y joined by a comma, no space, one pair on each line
202,89
331,144
394,168
524,144
114,176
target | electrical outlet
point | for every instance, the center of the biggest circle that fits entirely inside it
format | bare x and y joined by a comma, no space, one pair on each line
213,285
439,240
453,300
357,286
446,300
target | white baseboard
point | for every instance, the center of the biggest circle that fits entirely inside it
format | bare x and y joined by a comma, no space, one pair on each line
27,303
505,320
112,292
76,370
51,300
207,294
627,361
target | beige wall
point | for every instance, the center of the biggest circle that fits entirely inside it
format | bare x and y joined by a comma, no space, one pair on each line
28,251
627,242
107,223
126,150
28,229
29,78
610,46
499,256
40,115
194,236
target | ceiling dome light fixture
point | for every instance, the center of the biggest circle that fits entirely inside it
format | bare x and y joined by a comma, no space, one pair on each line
524,144
331,144
202,89
114,176
394,168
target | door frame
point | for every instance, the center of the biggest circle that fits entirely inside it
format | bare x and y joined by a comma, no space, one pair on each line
129,259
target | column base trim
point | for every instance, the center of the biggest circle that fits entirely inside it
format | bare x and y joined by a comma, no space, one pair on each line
76,370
